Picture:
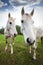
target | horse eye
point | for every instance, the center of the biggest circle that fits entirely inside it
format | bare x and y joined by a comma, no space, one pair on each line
22,21
10,22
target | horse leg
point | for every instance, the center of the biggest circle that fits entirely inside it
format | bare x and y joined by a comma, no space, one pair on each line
13,40
30,49
11,44
6,43
34,47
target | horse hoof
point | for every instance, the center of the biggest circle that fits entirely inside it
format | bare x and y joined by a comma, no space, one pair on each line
34,59
11,52
30,52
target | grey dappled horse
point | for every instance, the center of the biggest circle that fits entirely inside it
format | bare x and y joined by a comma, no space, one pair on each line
10,31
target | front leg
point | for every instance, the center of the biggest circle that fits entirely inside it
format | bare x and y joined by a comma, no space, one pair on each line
34,47
34,56
30,49
11,43
6,43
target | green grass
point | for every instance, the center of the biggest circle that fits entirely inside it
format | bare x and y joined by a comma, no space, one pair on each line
21,54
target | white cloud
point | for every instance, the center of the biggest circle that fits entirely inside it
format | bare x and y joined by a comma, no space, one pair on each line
14,14
2,4
21,1
38,16
24,2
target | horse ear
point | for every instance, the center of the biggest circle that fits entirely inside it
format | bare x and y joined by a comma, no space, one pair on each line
9,15
22,11
32,12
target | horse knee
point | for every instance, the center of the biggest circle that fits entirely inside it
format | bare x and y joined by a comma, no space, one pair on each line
35,46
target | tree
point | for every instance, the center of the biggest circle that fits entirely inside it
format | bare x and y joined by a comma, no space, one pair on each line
2,30
18,29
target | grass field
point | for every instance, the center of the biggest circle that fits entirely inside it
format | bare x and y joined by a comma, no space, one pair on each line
21,54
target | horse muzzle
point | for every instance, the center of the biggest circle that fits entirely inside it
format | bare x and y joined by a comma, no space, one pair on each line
29,42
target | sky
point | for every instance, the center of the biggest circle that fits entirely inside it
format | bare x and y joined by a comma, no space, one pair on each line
15,6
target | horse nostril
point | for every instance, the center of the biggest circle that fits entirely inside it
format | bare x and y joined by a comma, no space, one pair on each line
22,21
30,43
10,22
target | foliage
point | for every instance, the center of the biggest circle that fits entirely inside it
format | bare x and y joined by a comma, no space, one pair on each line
18,29
2,31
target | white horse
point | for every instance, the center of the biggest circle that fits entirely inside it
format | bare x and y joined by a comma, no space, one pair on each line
10,31
28,31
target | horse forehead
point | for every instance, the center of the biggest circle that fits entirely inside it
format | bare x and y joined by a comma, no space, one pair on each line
26,15
11,19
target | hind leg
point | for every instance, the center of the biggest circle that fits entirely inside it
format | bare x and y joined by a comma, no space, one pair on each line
6,43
